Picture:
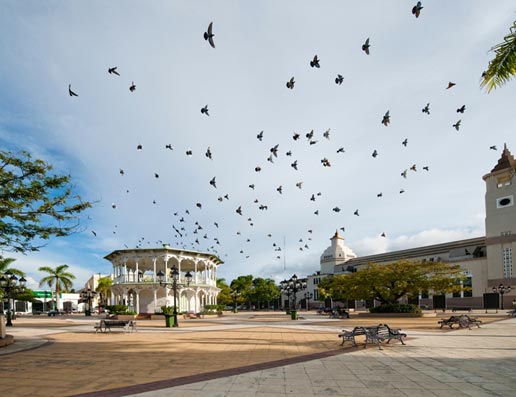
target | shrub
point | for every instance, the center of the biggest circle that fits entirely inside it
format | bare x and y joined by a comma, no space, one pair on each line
395,308
117,309
167,309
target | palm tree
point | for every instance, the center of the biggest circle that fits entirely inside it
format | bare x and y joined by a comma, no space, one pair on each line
58,277
104,288
4,267
503,66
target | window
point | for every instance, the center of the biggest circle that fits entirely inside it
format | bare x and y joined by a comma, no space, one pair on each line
316,280
467,284
316,294
506,233
507,262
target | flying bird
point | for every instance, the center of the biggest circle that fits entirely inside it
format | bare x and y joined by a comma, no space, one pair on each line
122,172
461,109
156,175
402,191
289,153
404,143
341,150
382,235
315,62
325,162
312,198
416,10
386,119
493,147
299,185
70,92
326,134
199,205
208,153
426,109
294,165
280,189
132,87
251,186
413,168
365,46
450,85
213,182
204,110
426,168
375,153
295,137
336,209
95,234
457,125
189,153
339,79
404,174
239,210
113,71
379,194
274,150
258,169
310,135
270,159
356,213
290,83
208,36
260,136
169,146
139,147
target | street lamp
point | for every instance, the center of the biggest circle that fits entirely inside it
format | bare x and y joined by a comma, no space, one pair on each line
174,275
293,286
308,296
10,286
502,289
235,295
87,296
285,289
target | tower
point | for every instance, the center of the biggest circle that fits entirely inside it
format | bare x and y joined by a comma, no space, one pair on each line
336,254
501,220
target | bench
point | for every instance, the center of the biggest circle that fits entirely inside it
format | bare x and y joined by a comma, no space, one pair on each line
107,325
461,309
339,313
193,315
376,334
512,313
350,335
462,321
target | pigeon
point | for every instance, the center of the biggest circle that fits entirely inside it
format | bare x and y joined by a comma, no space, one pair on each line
386,119
339,79
461,109
239,210
199,205
156,175
365,46
132,87
208,36
208,153
457,125
113,205
70,92
404,174
220,199
416,10
310,135
336,209
290,83
122,172
258,169
289,153
313,142
213,183
315,62
113,71
493,148
188,152
316,212
450,85
382,235
270,159
299,185
204,110
295,137
375,153
260,136
402,191
356,213
95,234
426,168
312,198
326,134
341,150
139,147
280,189
262,207
413,168
379,194
426,109
325,162
343,228
226,196
274,150
251,186
294,165
169,146
404,143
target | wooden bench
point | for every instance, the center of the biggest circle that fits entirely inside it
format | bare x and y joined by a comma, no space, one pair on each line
107,325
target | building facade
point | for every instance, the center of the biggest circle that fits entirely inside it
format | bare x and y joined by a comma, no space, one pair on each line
487,261
136,284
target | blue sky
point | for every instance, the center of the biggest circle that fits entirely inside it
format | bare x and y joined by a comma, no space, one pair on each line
45,46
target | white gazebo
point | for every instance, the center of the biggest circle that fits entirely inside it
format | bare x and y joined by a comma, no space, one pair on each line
136,283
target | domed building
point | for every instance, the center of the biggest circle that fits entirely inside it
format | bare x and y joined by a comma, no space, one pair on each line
336,254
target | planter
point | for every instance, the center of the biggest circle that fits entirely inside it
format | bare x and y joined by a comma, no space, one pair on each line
169,320
293,314
124,317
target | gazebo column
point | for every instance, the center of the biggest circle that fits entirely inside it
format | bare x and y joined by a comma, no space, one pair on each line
135,274
137,292
155,291
154,268
126,279
195,271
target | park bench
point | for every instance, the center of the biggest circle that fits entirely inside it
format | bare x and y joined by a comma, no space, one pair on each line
462,309
193,315
107,325
376,334
339,313
462,321
512,313
350,335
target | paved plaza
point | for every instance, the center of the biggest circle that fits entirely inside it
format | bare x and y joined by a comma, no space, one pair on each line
256,354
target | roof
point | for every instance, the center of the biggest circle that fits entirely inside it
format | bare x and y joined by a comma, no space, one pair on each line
163,250
337,235
506,160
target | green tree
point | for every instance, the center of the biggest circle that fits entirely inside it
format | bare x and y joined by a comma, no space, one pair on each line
390,282
5,267
34,203
103,289
503,66
243,285
59,278
264,290
224,296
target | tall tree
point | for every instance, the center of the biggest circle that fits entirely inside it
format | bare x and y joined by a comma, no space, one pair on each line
224,296
503,66
390,282
58,278
104,288
264,290
5,266
243,285
35,204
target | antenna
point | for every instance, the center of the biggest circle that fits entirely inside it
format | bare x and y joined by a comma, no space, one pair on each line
284,255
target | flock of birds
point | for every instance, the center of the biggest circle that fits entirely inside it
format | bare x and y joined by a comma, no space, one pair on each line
191,234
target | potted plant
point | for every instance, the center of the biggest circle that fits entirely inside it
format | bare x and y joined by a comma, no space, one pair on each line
168,312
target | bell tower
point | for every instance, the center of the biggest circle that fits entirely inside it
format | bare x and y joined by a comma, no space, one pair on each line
501,220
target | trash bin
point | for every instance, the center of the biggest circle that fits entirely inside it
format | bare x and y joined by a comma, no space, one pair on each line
293,314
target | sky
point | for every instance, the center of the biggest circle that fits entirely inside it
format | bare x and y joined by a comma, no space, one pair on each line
159,47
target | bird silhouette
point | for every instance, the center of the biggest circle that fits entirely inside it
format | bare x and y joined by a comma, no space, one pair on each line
290,83
204,110
375,153
341,150
169,146
310,135
113,205
339,79
450,85
299,185
379,194
413,168
426,109
356,213
258,169
208,36
382,235
279,189
113,71
457,125
189,153
416,10
198,205
122,172
316,212
404,174
274,150
95,234
365,46
313,142
294,165
404,143
289,153
402,191
325,162
312,198
270,159
156,175
461,109
315,62
132,87
386,119
493,147
260,136
336,209
208,153
239,210
295,137
426,168
213,182
251,186
70,92
326,134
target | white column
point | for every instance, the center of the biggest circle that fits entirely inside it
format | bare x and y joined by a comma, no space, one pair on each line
135,274
154,266
155,299
125,271
166,268
195,271
137,302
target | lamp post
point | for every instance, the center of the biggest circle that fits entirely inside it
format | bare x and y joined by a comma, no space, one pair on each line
174,275
285,289
308,296
88,296
235,295
10,285
293,285
502,289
